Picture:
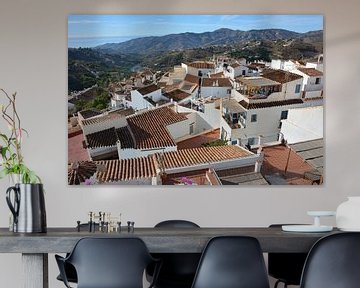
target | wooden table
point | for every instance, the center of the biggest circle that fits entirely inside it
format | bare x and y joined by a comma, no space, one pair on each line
35,247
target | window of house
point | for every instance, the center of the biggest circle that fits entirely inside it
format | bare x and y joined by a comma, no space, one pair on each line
253,117
191,128
223,134
284,115
297,88
251,141
317,81
243,72
228,91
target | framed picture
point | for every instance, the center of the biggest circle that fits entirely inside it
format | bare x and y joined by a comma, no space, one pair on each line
195,99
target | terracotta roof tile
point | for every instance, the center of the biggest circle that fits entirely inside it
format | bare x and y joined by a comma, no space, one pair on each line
192,78
89,113
311,72
109,137
78,172
126,169
177,95
148,89
217,75
280,76
235,65
108,117
203,155
149,128
217,82
259,105
202,65
102,138
125,137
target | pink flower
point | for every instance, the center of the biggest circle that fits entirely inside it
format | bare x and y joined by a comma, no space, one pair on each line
186,181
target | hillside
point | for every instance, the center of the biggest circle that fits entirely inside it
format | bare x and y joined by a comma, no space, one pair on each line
112,62
188,40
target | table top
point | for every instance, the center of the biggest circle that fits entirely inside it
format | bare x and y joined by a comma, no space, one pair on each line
158,240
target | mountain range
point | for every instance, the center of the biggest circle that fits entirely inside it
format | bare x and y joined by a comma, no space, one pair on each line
189,40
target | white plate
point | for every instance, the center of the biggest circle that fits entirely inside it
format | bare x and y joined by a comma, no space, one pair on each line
321,213
306,228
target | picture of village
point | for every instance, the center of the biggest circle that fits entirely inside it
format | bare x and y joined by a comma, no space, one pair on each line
195,100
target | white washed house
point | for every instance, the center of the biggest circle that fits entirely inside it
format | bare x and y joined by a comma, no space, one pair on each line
303,124
199,68
146,97
312,86
215,87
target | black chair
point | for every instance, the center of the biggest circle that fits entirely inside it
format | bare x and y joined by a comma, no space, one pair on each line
178,269
69,269
232,262
286,267
108,263
333,262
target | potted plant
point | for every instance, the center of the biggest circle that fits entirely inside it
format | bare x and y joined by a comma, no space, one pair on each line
26,197
12,161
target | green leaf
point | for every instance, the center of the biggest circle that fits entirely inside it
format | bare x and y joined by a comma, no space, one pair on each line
5,138
4,173
3,151
26,132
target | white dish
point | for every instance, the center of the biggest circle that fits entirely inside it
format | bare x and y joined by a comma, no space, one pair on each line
306,228
321,213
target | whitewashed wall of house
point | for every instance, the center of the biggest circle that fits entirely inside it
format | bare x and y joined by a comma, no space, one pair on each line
211,115
215,91
229,164
136,153
96,127
229,134
287,92
267,124
313,94
317,66
138,102
303,124
195,71
180,129
101,150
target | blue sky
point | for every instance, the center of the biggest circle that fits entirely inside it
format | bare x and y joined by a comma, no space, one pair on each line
85,26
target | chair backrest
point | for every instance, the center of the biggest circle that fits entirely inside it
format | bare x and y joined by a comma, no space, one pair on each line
110,262
176,224
232,262
333,262
286,266
178,267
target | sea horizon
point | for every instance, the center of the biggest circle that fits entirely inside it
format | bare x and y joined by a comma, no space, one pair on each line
90,42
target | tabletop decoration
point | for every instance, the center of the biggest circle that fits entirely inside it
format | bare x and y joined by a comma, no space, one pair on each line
25,197
348,215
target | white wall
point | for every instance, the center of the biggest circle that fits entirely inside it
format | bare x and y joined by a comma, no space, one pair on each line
303,124
117,122
33,62
215,91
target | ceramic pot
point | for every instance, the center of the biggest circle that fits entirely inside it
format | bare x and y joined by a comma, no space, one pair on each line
348,215
27,207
